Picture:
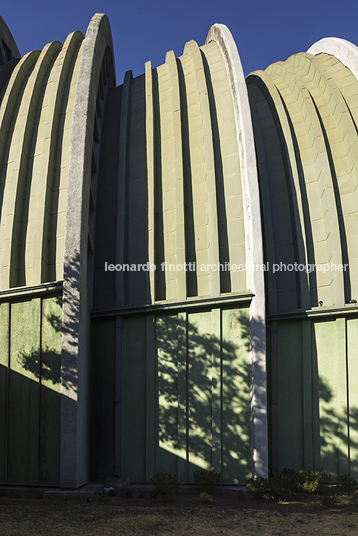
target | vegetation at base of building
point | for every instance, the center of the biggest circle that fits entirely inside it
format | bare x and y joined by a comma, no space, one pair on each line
290,481
207,480
165,485
302,481
332,493
330,496
347,483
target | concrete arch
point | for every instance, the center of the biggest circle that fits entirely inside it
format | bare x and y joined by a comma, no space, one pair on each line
325,134
345,51
254,250
305,127
35,116
95,76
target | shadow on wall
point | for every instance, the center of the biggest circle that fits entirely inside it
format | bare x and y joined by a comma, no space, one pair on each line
314,401
335,414
338,438
45,364
32,374
30,392
203,397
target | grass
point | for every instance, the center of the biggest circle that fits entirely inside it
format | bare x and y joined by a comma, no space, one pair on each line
238,517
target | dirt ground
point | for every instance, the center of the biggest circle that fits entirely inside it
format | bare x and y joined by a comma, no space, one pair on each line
134,512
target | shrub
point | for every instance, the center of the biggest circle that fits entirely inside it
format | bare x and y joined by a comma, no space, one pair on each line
330,496
207,481
293,479
279,486
258,486
346,483
312,479
165,485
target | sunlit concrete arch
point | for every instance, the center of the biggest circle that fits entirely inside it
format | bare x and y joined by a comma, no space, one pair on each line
36,117
345,51
220,34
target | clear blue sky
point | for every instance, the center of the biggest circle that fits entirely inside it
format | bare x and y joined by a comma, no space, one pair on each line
265,31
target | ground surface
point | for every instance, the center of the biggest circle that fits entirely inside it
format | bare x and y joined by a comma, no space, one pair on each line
186,514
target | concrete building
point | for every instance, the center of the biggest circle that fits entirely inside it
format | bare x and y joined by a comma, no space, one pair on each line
178,263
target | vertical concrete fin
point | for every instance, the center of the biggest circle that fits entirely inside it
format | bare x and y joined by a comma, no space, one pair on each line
179,175
191,48
149,121
122,189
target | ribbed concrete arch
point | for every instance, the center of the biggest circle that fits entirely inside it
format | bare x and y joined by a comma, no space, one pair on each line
36,115
319,147
305,126
253,244
191,156
320,174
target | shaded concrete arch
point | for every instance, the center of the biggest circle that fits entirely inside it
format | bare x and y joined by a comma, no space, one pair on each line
95,76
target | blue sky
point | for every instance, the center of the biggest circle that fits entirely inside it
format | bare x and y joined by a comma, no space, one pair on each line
264,31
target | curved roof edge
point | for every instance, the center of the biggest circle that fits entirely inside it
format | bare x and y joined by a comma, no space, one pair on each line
345,51
220,34
7,38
